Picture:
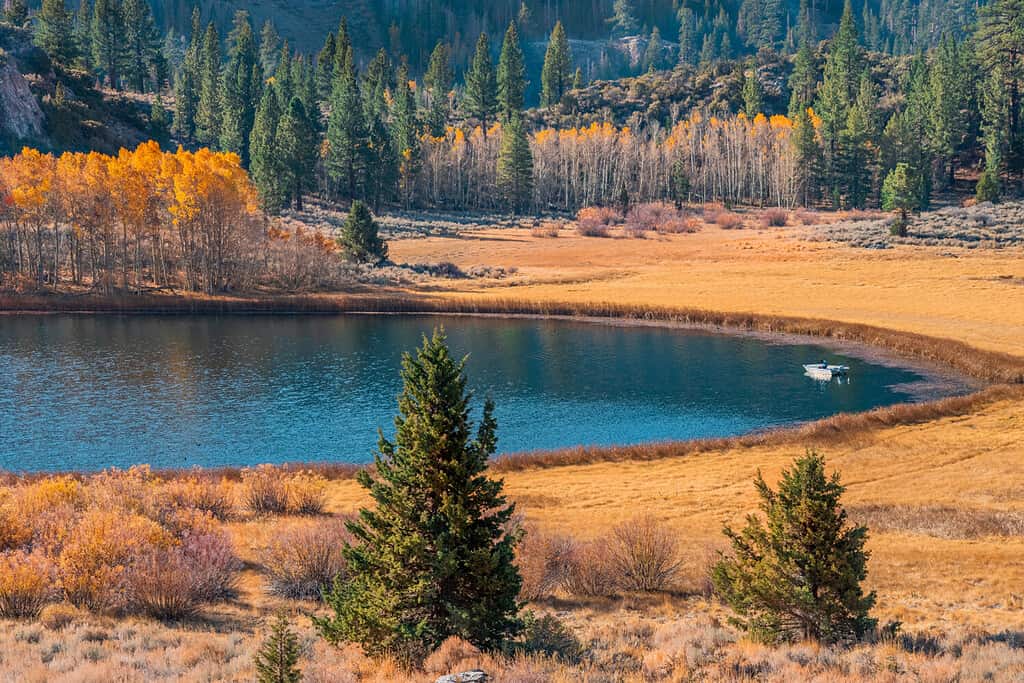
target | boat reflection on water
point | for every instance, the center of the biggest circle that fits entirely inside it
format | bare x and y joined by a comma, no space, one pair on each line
823,372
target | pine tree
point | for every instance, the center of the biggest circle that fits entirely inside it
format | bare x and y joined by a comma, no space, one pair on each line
838,90
434,558
438,83
753,99
797,574
159,124
803,81
623,20
270,44
653,55
346,131
858,145
899,194
108,40
947,120
382,161
265,162
142,43
511,75
808,157
404,133
1000,45
296,149
515,164
284,76
54,31
208,109
480,99
360,238
186,86
83,34
325,60
687,36
995,105
556,74
241,91
278,656
16,12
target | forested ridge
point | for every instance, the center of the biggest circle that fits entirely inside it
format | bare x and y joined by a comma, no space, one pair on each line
833,124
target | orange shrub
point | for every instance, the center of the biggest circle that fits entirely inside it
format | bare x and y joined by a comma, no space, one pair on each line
542,559
264,490
200,493
100,550
546,229
679,226
644,554
132,489
14,529
727,220
27,583
302,559
807,217
48,493
595,221
307,493
774,218
589,571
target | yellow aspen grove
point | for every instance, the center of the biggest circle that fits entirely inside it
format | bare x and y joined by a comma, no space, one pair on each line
145,218
736,160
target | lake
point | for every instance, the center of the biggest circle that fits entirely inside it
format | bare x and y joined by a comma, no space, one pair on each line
93,391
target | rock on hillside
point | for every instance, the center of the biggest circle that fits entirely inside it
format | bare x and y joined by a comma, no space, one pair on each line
21,117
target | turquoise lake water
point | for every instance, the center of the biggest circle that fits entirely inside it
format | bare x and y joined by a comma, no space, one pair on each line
90,392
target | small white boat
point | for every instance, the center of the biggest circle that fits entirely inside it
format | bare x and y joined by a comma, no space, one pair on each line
824,371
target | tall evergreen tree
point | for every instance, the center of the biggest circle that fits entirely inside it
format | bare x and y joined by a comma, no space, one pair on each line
142,44
404,132
284,76
382,160
797,574
16,12
108,40
1000,41
346,132
270,45
511,74
278,657
434,558
325,61
899,194
803,80
83,34
241,91
838,90
995,115
265,162
186,86
54,31
687,35
623,20
556,76
857,146
437,82
808,157
480,99
753,97
296,144
654,54
947,121
515,164
208,108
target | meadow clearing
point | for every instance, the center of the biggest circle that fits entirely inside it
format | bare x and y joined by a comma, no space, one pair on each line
944,496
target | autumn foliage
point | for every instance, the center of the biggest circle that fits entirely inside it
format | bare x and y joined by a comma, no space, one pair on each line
145,218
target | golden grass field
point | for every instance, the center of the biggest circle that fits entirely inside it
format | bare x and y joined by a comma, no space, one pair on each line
938,578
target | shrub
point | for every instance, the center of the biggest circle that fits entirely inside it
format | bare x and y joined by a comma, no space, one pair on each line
200,493
59,615
27,583
595,221
650,216
547,635
675,226
589,571
98,552
449,655
799,575
807,217
173,583
264,490
302,560
48,493
542,560
711,212
307,493
546,229
14,529
987,189
774,218
727,220
116,489
644,554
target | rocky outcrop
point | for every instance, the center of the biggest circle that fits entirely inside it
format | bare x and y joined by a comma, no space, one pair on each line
21,118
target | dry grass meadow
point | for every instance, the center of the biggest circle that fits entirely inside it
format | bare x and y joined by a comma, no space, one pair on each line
944,495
